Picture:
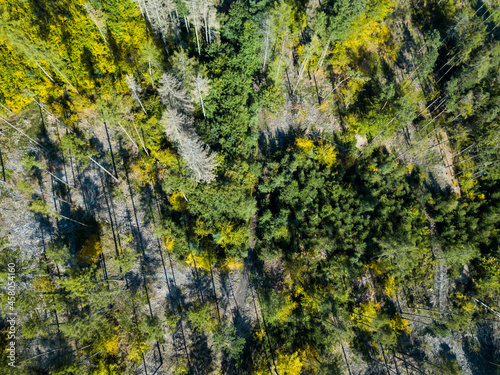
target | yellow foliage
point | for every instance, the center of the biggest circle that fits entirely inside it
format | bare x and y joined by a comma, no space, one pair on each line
180,369
260,334
469,307
460,296
168,242
232,264
466,182
293,364
377,267
289,364
111,345
371,168
199,261
366,31
366,312
287,309
177,201
400,324
91,248
135,351
390,286
350,92
300,50
43,285
201,229
230,236
164,157
309,299
327,155
104,368
283,233
304,144
144,170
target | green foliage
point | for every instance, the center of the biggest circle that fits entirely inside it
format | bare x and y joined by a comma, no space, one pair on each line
342,244
227,340
203,317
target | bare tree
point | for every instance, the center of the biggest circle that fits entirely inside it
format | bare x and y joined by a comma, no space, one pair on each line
208,14
171,92
160,19
144,10
199,159
202,88
267,27
195,17
134,87
176,124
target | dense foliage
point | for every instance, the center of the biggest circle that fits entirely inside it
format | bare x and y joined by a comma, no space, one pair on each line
264,187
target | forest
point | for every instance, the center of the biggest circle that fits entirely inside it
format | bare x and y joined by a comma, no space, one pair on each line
267,187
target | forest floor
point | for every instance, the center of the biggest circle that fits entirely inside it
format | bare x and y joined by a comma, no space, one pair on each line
122,213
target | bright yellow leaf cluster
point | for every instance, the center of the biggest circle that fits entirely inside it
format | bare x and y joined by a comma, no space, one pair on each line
111,345
178,201
232,264
399,324
326,154
365,314
231,236
91,248
304,144
288,306
135,351
390,286
168,242
290,364
43,285
199,261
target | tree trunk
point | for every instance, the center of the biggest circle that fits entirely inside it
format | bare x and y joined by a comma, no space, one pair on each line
23,133
104,169
140,139
47,74
201,101
128,135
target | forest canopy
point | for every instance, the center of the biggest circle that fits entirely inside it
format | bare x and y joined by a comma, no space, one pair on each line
249,187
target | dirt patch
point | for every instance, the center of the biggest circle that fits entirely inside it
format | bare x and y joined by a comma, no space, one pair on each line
361,141
449,173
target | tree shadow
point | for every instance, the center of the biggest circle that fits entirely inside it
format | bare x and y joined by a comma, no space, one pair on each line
482,351
201,353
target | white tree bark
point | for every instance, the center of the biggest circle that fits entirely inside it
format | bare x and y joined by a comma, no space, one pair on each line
202,88
134,87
